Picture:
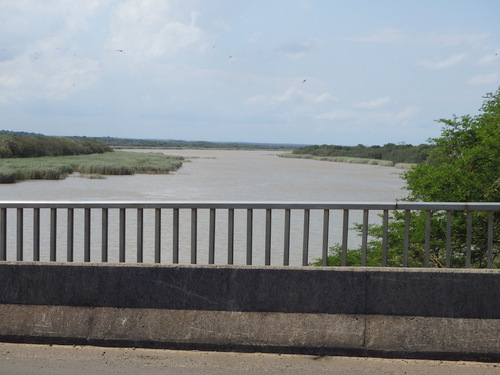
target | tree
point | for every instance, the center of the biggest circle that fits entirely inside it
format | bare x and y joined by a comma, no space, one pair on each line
462,166
465,165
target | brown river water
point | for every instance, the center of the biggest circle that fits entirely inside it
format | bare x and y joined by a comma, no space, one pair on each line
212,175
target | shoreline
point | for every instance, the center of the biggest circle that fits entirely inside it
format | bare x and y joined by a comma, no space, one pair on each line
348,159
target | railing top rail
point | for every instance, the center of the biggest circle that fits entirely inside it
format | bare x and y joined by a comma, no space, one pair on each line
453,206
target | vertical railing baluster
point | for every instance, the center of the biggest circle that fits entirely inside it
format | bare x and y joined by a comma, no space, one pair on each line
194,235
385,237
286,240
364,239
70,223
87,230
122,236
468,248
268,238
53,234
305,243
3,233
345,234
406,241
104,235
326,226
140,235
36,234
427,240
490,239
448,239
230,236
211,238
249,235
157,235
20,234
175,236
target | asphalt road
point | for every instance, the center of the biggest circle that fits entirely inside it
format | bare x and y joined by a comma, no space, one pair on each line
17,359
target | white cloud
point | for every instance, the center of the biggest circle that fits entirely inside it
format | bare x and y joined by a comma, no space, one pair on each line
488,59
325,97
257,99
454,39
362,120
152,29
47,16
340,114
372,103
297,49
446,63
483,79
292,95
381,36
407,113
29,77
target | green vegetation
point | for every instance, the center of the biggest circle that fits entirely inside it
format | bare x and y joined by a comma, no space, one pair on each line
390,153
462,166
345,159
24,145
109,163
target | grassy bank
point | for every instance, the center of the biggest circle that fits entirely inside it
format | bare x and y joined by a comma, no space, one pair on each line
347,159
109,163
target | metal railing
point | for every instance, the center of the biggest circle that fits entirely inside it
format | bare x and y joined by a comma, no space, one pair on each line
223,232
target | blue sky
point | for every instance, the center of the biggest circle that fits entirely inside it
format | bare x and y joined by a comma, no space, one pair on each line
281,71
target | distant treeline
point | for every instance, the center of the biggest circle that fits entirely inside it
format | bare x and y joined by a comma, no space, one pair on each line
25,145
170,143
397,153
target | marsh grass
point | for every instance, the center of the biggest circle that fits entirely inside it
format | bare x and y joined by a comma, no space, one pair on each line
109,163
341,159
407,166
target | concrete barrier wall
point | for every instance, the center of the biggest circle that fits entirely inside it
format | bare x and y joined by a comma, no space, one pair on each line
351,311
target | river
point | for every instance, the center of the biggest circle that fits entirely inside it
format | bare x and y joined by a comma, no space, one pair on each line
217,175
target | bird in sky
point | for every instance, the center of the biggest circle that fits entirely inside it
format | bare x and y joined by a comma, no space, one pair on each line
120,50
304,81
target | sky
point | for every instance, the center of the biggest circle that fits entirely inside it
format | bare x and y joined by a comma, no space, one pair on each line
269,71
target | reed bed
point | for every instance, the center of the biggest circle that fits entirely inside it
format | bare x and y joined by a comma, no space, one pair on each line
109,163
341,159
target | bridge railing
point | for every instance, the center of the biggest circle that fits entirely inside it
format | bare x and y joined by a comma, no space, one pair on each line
277,233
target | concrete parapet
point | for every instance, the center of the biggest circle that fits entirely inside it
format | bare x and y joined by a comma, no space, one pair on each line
358,311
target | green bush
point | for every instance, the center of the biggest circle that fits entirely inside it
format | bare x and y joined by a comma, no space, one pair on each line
18,146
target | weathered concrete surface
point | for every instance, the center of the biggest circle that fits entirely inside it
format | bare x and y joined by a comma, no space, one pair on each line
361,311
70,360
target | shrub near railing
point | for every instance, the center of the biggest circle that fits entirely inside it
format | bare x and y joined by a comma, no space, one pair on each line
431,238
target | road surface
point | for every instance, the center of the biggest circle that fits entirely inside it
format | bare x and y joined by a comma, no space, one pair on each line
17,359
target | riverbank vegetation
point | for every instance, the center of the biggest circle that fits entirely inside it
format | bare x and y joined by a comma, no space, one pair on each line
24,145
462,166
94,165
348,159
390,154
